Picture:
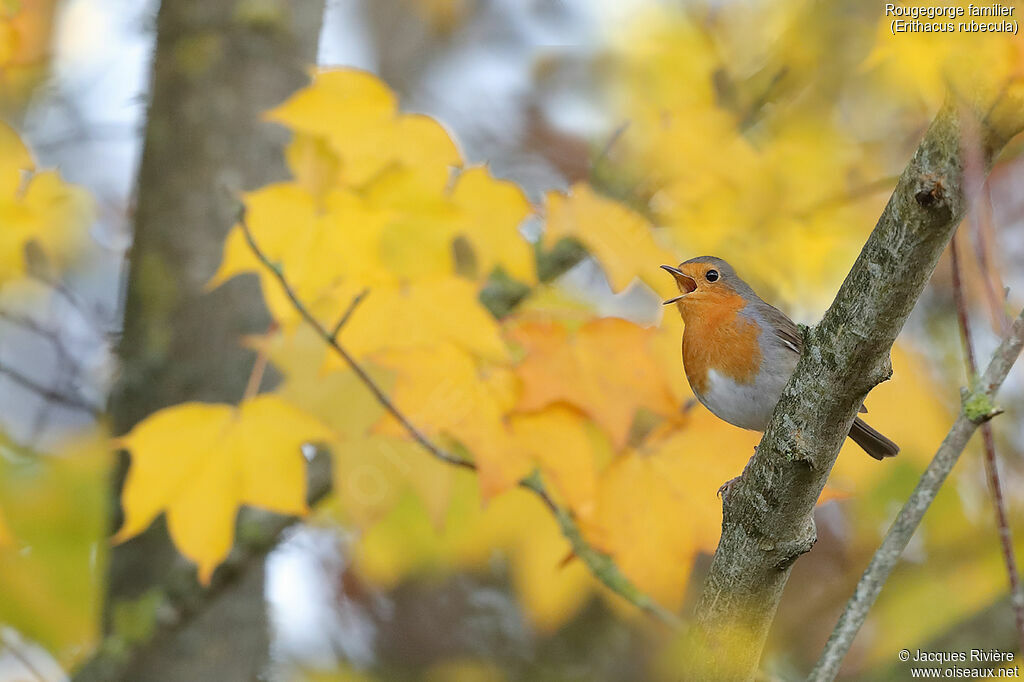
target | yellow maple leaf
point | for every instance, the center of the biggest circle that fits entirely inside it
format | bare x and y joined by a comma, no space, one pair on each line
585,369
198,462
550,589
439,311
325,246
625,244
417,242
491,213
747,160
364,129
312,162
557,440
357,100
370,471
7,41
426,218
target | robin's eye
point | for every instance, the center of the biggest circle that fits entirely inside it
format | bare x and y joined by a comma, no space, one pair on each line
711,275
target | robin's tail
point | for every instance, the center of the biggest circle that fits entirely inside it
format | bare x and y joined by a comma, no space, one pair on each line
874,443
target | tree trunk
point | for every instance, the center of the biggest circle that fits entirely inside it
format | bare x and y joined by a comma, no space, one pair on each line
217,66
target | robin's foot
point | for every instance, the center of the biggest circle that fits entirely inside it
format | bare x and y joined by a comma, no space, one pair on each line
723,492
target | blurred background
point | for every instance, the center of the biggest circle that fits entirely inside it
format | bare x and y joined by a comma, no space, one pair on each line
767,133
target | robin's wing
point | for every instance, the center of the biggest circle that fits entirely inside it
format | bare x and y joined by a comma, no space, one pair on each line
788,332
785,328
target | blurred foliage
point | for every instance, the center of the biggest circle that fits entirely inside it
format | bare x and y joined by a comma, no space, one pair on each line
52,555
25,31
380,201
52,503
444,16
37,209
766,133
773,131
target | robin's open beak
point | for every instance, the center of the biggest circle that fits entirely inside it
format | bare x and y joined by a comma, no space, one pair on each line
686,284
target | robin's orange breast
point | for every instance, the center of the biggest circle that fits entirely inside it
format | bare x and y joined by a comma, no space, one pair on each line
717,337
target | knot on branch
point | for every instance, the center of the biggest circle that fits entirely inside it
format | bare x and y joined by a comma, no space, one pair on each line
881,372
930,192
795,449
791,550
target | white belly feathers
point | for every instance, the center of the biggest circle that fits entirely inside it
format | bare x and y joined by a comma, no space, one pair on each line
748,406
741,405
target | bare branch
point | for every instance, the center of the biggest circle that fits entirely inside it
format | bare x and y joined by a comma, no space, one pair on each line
72,400
977,410
343,320
599,564
51,335
991,466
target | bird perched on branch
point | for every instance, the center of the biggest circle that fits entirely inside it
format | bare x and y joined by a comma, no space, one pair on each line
739,352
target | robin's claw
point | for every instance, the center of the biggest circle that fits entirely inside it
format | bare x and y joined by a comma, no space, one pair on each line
723,492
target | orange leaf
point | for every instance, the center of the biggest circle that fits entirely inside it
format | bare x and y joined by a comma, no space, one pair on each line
605,369
445,391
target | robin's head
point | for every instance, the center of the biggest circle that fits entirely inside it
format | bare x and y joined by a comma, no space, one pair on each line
705,278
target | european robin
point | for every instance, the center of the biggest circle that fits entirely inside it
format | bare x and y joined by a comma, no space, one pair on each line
739,352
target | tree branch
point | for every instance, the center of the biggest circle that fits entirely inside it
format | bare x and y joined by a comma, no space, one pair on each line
600,565
977,409
991,465
70,400
343,320
767,516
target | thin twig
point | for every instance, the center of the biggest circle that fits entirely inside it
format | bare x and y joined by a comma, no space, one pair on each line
984,235
613,139
100,328
377,392
599,564
961,309
978,408
73,401
991,465
60,287
29,324
259,367
343,320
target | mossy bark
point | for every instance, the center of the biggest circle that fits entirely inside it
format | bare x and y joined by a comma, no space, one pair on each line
217,66
767,516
